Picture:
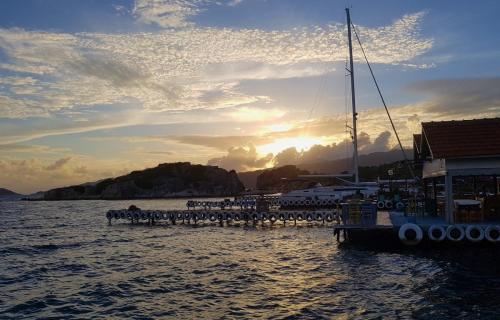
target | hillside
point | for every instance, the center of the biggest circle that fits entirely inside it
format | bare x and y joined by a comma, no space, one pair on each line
365,160
7,192
372,165
167,180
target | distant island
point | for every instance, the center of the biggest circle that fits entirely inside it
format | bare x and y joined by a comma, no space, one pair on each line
167,180
7,192
183,179
7,195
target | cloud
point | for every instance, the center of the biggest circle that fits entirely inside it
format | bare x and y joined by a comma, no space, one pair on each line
218,142
31,175
179,69
58,164
456,97
166,13
241,159
343,149
247,158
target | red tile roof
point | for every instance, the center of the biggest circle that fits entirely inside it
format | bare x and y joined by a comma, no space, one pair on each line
466,138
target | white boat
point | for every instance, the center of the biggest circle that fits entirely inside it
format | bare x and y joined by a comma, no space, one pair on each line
328,195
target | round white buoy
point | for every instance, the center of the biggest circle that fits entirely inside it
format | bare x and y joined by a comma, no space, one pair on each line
410,234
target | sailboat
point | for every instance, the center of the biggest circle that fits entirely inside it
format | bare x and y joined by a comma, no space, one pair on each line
328,195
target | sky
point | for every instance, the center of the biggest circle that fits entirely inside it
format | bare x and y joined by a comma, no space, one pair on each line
98,88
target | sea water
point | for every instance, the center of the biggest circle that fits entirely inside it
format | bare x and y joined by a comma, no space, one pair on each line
62,260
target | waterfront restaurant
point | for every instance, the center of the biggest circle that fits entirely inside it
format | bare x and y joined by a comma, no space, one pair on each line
460,162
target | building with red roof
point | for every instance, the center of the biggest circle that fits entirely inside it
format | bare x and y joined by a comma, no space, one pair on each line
456,153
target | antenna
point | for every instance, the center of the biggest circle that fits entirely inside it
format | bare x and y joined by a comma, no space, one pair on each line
353,97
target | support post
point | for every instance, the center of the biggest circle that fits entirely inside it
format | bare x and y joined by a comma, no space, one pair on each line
448,191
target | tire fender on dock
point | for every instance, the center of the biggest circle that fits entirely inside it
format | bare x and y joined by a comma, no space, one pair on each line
320,216
455,233
474,233
410,234
400,206
492,234
436,233
380,205
388,204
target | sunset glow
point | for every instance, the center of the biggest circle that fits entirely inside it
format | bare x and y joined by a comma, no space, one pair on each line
299,143
105,87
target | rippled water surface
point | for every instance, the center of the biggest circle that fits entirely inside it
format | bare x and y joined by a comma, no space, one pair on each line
62,260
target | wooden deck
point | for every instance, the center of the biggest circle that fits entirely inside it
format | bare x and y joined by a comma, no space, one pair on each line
393,220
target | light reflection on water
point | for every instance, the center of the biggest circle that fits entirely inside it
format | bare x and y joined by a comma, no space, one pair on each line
61,259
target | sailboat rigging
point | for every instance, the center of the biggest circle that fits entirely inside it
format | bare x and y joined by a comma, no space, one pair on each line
367,189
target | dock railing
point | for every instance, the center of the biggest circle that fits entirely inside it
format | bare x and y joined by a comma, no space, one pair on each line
359,212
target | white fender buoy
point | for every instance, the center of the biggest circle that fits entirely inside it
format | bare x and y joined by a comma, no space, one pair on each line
187,215
455,233
282,217
492,233
388,204
329,217
291,216
229,216
436,233
272,217
237,216
309,217
474,233
400,206
410,234
299,216
255,216
212,217
380,204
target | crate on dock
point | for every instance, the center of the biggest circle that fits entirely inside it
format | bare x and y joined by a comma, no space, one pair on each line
359,212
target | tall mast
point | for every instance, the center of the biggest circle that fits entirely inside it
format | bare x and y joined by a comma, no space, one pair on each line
353,97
